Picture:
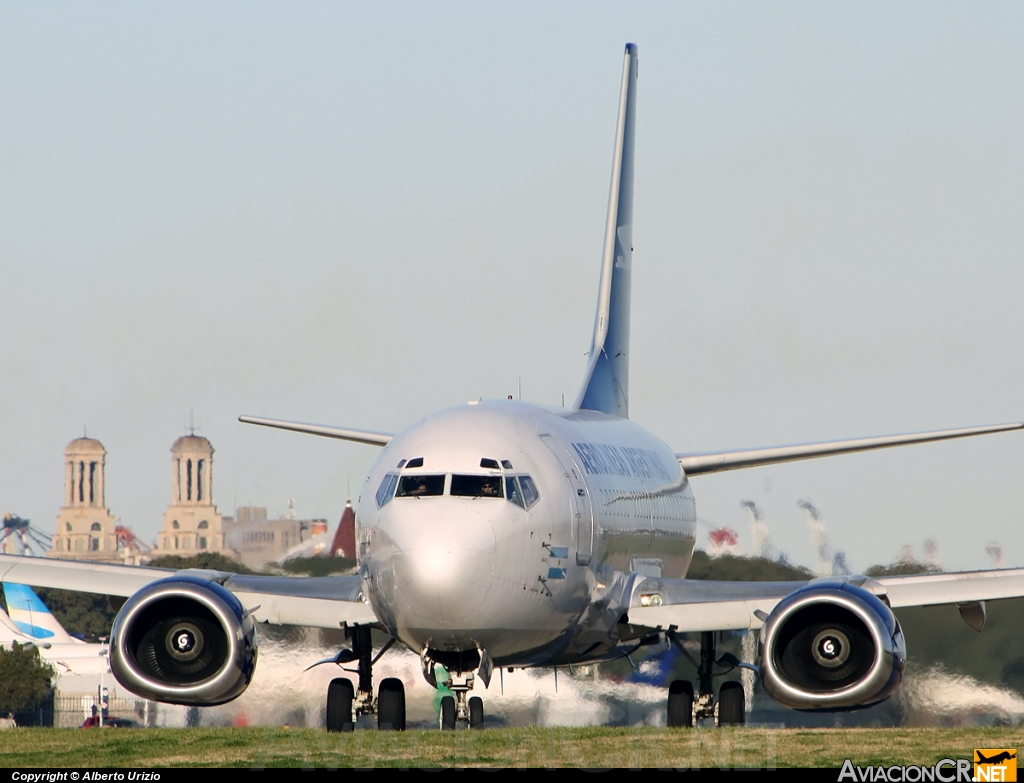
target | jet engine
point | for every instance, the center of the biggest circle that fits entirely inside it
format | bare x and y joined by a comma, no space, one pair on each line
183,640
831,646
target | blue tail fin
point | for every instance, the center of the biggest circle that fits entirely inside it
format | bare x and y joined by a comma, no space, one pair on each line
31,616
9,631
606,385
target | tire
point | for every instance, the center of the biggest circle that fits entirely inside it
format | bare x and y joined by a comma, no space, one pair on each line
391,705
476,713
731,706
339,705
448,713
680,704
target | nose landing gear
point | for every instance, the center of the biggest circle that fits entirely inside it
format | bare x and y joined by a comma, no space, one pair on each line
458,677
458,708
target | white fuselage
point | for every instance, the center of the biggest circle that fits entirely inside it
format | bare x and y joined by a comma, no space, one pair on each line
529,582
76,658
68,657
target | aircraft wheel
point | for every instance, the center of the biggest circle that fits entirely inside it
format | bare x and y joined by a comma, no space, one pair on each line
339,705
731,707
680,704
476,713
391,705
448,713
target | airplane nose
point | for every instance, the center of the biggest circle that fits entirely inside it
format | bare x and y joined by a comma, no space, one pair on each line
445,563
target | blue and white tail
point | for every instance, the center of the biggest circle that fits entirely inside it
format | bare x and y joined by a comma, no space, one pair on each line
606,384
31,617
10,633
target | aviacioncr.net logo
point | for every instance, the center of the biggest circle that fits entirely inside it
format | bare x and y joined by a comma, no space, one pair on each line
995,764
945,771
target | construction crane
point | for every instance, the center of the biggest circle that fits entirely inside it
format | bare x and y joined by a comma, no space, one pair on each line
127,542
18,537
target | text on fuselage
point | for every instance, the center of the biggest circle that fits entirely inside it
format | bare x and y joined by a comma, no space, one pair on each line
600,459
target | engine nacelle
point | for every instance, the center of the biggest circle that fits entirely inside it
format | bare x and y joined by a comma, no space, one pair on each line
183,640
831,646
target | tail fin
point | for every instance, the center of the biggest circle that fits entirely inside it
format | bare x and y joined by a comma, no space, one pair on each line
9,632
31,616
606,385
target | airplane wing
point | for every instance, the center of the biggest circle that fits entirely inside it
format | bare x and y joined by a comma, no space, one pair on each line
693,605
321,602
369,437
696,463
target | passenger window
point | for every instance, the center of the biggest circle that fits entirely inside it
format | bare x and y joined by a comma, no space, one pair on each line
420,486
387,489
476,486
512,491
530,494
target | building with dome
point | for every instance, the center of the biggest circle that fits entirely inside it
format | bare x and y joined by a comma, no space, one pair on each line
192,523
86,530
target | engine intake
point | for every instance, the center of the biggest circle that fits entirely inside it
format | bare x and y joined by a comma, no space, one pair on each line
831,646
184,640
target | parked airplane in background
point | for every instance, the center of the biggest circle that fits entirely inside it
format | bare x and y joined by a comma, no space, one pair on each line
29,621
504,534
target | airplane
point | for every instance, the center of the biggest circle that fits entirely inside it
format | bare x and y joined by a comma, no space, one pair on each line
29,621
1005,755
507,534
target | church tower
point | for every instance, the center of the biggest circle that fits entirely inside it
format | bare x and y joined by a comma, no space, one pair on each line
85,526
192,523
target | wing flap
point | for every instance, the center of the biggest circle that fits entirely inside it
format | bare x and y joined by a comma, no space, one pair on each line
952,588
693,605
695,464
318,602
712,616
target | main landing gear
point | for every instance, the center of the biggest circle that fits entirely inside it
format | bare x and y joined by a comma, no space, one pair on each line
344,706
685,707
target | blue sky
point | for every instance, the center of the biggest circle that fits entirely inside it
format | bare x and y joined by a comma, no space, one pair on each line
358,214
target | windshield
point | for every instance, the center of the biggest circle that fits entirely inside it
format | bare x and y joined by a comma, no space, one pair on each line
387,488
476,486
530,493
420,486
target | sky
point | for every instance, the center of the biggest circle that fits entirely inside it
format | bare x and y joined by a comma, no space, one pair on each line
357,214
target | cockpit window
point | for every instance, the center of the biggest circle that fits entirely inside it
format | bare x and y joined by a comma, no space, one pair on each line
512,491
530,494
415,462
387,489
506,464
486,462
420,486
476,486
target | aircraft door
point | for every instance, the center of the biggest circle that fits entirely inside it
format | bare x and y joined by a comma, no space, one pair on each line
582,510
